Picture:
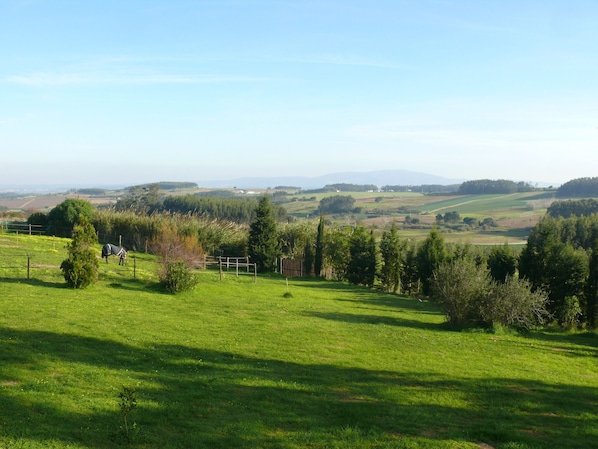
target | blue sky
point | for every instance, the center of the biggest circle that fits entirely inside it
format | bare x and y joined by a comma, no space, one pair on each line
112,92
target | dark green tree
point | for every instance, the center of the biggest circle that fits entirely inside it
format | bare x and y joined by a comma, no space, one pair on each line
336,252
319,256
337,204
80,269
63,217
568,274
410,279
361,269
390,251
502,262
430,255
262,244
308,258
535,257
591,306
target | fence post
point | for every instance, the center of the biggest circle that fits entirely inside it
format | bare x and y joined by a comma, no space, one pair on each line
120,240
29,228
134,267
255,273
220,267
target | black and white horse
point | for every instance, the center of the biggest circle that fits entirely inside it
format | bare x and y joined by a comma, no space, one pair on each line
112,250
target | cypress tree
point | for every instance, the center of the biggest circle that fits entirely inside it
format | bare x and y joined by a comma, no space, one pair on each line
81,267
319,257
361,269
262,245
390,250
430,255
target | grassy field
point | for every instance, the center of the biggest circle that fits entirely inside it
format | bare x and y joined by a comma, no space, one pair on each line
237,364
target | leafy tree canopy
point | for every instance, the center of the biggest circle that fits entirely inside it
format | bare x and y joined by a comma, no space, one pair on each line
579,187
63,217
337,204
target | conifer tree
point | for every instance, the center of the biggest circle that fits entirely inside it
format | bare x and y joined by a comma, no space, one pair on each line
592,288
430,255
319,256
361,269
502,262
390,250
80,269
262,245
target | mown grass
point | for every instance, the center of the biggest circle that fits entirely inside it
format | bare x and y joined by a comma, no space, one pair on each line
236,364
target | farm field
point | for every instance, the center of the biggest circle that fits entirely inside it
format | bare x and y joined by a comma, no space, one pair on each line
515,214
237,364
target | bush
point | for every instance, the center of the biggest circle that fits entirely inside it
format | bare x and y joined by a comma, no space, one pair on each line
459,287
62,218
177,254
468,295
80,269
570,312
512,303
179,278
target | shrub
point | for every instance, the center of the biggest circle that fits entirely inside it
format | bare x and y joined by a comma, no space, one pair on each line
569,313
178,254
80,269
468,295
512,303
459,287
179,278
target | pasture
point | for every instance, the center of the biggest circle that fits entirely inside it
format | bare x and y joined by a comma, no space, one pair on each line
237,364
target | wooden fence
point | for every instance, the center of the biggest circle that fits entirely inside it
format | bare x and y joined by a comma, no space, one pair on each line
237,263
23,228
296,268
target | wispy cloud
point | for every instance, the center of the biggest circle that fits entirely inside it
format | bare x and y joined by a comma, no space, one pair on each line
90,79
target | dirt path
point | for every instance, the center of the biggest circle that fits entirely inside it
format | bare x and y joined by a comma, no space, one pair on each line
23,206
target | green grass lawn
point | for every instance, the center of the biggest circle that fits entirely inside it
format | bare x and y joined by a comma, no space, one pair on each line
236,364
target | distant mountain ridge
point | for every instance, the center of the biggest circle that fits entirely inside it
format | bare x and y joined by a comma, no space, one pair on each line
378,178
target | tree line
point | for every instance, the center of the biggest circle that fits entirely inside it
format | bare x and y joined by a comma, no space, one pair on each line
490,186
587,187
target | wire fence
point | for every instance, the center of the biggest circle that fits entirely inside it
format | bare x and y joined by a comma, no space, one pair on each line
25,256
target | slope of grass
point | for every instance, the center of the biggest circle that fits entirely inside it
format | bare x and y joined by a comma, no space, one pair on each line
236,364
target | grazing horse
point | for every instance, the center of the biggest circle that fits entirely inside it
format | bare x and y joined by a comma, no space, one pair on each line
112,250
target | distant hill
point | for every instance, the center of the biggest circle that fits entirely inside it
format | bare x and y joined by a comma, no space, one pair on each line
379,178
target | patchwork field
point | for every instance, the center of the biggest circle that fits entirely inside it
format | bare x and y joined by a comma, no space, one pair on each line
237,364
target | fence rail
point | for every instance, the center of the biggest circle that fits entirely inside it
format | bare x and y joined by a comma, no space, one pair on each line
23,228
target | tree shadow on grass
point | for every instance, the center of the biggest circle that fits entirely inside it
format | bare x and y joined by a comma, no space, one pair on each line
34,282
195,397
377,320
575,344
